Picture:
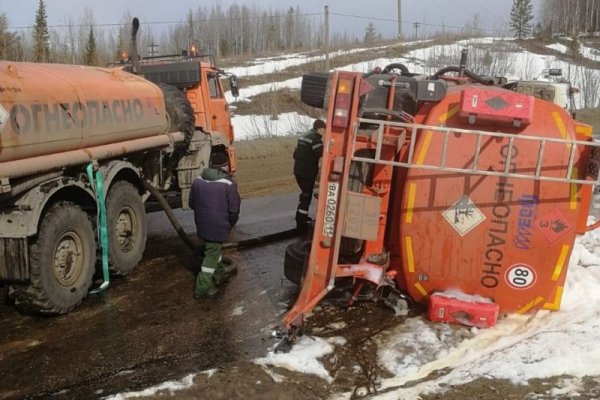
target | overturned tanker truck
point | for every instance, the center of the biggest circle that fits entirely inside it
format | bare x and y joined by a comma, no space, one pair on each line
80,149
449,182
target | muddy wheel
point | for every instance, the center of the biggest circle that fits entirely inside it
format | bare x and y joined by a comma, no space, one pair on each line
179,110
314,89
295,261
126,223
62,261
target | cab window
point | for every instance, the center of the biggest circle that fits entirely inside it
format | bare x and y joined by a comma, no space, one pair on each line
214,89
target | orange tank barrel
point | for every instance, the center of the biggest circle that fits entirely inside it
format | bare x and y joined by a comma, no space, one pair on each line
52,108
505,238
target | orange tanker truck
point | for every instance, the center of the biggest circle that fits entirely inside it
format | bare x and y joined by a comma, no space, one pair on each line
443,183
80,149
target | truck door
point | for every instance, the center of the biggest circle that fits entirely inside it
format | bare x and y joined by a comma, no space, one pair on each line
217,109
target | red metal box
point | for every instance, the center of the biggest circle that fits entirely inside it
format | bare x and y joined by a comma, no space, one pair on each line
485,106
465,311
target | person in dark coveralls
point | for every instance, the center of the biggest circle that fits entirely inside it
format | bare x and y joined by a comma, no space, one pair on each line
309,150
216,202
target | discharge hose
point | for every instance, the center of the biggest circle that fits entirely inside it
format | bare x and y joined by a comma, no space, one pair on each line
195,246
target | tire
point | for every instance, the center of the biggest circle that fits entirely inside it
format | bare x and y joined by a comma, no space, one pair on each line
296,261
127,230
314,89
62,261
180,111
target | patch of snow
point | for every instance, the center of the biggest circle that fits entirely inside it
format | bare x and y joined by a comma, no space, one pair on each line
239,310
457,294
209,372
518,348
587,52
264,126
304,356
169,387
337,325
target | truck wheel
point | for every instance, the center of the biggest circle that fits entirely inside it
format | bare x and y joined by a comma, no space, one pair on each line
179,110
314,89
62,261
295,261
126,223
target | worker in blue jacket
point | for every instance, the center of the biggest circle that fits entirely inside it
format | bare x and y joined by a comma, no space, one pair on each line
216,202
307,154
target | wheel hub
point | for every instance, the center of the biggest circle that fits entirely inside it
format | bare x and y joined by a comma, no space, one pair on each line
68,258
125,227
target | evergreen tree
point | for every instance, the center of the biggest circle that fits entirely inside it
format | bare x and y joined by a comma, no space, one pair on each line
521,15
41,36
370,33
90,56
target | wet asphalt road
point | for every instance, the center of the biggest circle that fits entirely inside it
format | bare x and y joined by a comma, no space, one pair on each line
147,328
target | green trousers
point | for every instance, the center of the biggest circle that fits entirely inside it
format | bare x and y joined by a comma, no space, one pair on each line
212,272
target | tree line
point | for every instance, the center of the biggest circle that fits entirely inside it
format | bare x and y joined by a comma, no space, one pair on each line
237,30
569,18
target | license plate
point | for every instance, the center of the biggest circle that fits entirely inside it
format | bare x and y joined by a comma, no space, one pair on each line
330,208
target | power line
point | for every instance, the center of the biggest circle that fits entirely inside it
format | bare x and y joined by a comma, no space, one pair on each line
404,22
230,19
224,19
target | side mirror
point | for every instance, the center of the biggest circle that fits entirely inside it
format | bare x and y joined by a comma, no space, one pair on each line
233,86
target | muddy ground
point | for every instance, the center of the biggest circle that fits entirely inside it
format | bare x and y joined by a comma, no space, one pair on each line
147,328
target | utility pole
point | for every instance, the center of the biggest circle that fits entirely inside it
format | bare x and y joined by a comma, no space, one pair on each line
326,38
399,19
152,51
416,25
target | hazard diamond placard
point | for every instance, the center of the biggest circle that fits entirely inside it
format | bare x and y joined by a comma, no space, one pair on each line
553,225
463,215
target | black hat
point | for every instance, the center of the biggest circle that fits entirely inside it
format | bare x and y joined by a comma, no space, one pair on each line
219,159
318,124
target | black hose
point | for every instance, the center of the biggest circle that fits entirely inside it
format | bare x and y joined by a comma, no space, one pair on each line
261,240
195,247
484,80
401,67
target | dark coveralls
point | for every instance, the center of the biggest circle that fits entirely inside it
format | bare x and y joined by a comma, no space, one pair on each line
309,150
216,202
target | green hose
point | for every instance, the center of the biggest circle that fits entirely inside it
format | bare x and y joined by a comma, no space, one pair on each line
95,178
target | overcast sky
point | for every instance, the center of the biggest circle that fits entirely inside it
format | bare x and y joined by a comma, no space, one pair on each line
383,13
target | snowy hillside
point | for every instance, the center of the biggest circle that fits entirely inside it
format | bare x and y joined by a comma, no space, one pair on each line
489,56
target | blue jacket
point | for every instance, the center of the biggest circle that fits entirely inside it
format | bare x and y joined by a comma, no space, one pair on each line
216,202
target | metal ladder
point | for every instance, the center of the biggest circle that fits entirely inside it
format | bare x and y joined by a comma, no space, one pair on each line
481,136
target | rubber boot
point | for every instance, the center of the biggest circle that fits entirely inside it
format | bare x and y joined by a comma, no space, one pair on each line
205,286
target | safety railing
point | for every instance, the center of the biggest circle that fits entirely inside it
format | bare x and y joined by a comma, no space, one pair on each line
413,130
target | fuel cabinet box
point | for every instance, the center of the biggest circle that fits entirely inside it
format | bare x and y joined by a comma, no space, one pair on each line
497,106
463,310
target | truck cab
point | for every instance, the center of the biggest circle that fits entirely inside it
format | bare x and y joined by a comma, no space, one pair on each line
200,79
550,86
